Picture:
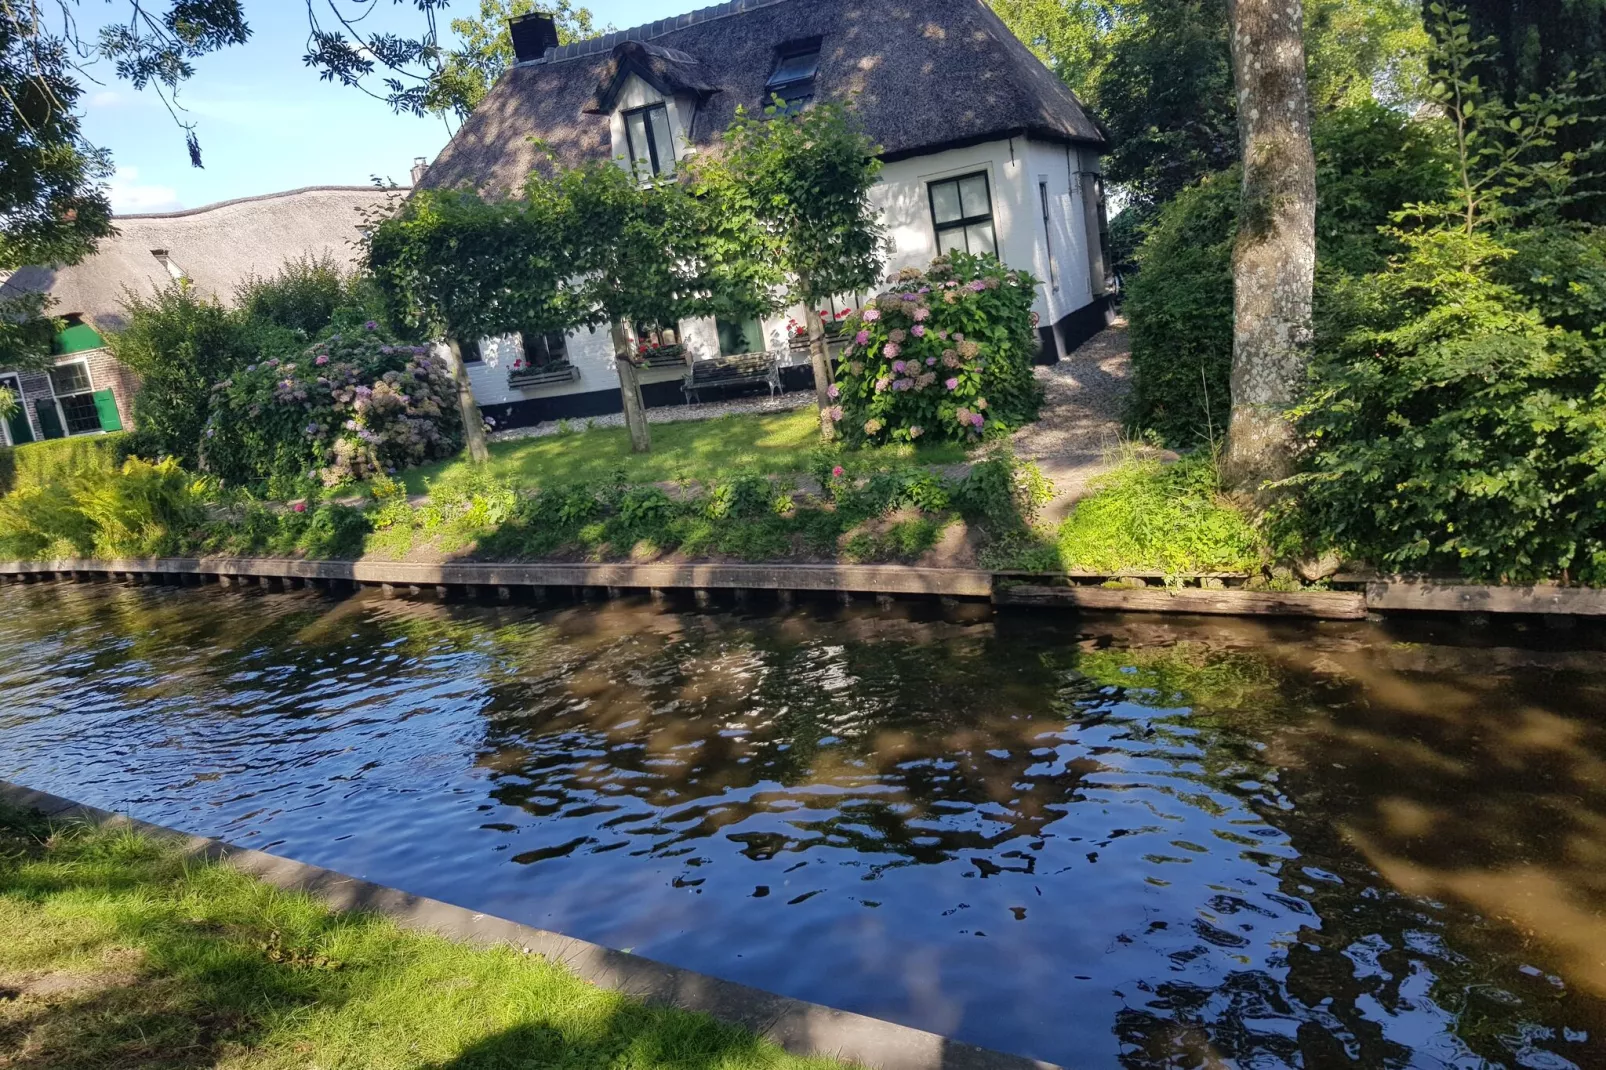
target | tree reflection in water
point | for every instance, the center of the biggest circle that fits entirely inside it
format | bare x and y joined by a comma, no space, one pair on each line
1118,842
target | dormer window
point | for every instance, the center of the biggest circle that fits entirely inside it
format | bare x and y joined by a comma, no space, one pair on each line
652,148
793,79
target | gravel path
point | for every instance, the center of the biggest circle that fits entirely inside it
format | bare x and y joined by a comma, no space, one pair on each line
1081,418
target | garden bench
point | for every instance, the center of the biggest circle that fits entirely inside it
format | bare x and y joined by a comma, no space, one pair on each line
741,369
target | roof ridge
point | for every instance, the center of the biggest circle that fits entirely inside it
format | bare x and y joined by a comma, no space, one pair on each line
180,213
648,30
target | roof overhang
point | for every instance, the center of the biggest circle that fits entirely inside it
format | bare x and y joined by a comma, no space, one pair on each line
667,70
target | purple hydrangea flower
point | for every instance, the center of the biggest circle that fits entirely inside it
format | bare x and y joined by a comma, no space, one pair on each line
977,419
862,338
890,349
370,326
931,362
978,285
918,330
321,361
952,384
833,390
836,412
871,315
897,365
909,297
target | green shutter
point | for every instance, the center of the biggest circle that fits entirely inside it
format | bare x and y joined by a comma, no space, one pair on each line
49,419
20,431
106,405
78,338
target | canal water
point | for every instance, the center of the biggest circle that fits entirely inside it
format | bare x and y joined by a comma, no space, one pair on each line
1133,842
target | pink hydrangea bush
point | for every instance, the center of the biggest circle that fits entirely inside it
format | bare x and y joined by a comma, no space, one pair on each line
945,353
351,407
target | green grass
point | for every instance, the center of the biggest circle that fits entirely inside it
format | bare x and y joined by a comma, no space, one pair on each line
765,444
119,952
1146,515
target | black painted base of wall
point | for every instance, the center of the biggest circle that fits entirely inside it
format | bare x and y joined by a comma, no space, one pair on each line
1073,329
532,411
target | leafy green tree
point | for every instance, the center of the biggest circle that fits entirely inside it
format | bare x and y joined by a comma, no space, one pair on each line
1070,36
1462,424
26,331
180,343
803,179
467,72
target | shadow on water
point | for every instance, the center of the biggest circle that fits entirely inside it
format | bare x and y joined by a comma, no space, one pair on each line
1135,841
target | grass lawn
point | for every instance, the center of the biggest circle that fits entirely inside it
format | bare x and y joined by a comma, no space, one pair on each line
766,443
120,953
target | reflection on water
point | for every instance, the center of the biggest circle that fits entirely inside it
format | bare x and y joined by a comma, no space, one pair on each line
1122,842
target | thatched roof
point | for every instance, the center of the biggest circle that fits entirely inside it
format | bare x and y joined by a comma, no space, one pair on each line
217,247
922,74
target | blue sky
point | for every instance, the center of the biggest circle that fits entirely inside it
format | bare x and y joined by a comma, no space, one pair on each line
265,121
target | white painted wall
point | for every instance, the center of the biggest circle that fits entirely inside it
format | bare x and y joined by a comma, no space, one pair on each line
1014,169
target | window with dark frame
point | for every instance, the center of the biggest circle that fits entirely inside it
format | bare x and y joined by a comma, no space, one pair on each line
962,214
546,350
75,397
1048,237
647,136
796,66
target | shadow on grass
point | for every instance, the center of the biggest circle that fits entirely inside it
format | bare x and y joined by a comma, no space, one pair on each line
122,952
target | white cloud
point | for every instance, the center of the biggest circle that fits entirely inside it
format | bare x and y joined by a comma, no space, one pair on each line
128,196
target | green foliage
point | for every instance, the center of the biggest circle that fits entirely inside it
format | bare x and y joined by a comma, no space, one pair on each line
1150,516
798,183
53,206
37,464
350,407
944,353
485,50
140,510
27,331
1371,162
180,342
326,531
1464,428
307,296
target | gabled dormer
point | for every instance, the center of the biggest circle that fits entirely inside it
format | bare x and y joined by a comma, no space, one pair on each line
651,95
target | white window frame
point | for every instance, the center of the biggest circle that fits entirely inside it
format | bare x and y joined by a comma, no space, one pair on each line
55,398
13,382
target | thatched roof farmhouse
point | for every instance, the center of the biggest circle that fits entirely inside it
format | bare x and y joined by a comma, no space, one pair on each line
984,148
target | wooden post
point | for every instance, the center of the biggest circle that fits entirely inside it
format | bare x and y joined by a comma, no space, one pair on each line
473,422
624,352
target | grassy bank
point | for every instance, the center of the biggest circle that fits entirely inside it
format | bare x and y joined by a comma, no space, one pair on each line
766,444
120,953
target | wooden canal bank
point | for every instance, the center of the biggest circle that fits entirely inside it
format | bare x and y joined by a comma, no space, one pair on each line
1355,598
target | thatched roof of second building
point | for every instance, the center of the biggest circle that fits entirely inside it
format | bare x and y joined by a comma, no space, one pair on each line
920,73
217,247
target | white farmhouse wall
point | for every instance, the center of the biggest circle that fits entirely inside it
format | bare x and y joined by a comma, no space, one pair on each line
589,351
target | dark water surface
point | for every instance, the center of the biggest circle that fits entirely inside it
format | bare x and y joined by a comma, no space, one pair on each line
1118,842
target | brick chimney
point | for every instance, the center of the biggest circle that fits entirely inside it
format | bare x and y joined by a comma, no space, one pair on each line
420,165
532,35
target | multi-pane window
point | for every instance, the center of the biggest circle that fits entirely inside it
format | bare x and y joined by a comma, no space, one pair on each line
545,350
962,213
652,148
793,77
74,397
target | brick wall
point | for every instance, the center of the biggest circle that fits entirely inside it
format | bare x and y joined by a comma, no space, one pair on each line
105,373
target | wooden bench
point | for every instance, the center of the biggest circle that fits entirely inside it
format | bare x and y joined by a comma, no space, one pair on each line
550,375
742,369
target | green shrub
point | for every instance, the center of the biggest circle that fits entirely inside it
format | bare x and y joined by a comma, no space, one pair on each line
1465,433
302,297
140,510
350,407
36,464
1371,162
180,342
1146,515
942,354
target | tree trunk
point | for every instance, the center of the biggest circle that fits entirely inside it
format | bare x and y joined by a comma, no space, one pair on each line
1274,259
473,422
821,362
624,349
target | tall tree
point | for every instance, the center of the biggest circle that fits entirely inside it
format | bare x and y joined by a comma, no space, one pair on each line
805,177
1274,258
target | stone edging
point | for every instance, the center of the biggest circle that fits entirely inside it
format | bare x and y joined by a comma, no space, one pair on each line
1131,593
799,1027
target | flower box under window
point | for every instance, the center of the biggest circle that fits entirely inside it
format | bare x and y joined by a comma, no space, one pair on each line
663,356
551,374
